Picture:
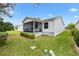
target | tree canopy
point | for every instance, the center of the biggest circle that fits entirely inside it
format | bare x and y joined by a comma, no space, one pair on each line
1,24
71,26
8,26
5,26
6,8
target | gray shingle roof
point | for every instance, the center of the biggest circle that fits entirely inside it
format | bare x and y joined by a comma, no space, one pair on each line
37,19
53,18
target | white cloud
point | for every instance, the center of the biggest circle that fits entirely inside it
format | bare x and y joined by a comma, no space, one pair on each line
76,16
11,12
50,15
73,10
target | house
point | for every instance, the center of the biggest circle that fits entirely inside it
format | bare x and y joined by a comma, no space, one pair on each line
52,26
77,25
18,28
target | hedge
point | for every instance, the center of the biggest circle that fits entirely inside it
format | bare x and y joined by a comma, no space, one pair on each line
3,38
73,31
28,35
76,38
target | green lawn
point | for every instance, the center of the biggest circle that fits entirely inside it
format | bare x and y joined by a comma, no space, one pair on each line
62,45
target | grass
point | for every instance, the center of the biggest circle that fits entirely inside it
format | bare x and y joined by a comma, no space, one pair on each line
2,33
62,45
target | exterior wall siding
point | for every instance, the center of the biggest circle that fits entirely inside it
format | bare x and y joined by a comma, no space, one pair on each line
55,27
50,30
19,28
58,26
77,26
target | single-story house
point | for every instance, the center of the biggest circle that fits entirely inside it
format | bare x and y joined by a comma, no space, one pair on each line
18,28
77,25
52,26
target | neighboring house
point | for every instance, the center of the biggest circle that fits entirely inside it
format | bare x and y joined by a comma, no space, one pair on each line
77,25
52,26
18,28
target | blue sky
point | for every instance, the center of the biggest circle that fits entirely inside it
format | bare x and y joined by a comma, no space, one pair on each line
69,12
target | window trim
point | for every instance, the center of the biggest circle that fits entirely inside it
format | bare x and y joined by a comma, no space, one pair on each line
45,25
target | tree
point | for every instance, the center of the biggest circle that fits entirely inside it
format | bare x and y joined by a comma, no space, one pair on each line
5,8
8,26
1,24
71,26
5,26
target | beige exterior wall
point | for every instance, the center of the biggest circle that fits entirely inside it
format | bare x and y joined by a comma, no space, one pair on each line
19,28
50,29
58,26
55,27
77,26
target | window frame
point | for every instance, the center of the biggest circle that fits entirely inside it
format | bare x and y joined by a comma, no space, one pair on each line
45,25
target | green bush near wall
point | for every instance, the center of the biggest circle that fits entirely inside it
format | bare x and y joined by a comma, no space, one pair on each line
76,37
3,38
28,35
73,31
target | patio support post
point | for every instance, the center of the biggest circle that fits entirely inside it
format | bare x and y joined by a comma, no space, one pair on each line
34,27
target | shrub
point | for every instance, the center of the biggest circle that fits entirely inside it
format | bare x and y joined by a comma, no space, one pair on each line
73,31
76,37
28,35
3,38
71,26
